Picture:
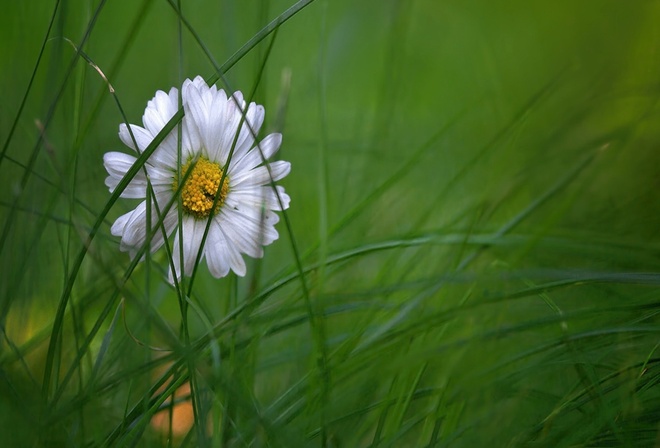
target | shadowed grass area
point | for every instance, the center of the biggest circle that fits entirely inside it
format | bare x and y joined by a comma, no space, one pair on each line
470,258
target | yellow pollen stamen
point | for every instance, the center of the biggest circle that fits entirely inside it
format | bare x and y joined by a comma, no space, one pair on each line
201,188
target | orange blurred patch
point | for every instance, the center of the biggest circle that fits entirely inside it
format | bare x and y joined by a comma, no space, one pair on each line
180,415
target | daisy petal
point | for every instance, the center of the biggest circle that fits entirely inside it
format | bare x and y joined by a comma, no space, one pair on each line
254,118
233,114
249,231
117,165
118,226
165,154
142,137
132,227
160,110
191,232
214,128
234,257
260,176
268,146
216,252
259,197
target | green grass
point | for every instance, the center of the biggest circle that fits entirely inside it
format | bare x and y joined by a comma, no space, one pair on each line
471,257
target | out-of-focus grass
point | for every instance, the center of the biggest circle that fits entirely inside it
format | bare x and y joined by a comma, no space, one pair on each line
473,194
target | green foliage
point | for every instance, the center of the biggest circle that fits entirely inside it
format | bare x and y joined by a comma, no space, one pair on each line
471,257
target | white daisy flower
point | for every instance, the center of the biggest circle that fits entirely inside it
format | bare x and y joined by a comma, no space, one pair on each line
243,219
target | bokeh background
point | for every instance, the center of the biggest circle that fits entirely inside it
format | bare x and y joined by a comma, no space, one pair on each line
474,209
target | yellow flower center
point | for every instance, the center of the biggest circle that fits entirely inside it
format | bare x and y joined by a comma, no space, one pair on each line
201,187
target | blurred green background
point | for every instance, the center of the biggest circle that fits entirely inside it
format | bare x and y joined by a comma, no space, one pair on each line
474,198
